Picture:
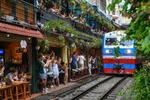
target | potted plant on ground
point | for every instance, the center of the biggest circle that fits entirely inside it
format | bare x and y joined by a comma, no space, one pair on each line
99,66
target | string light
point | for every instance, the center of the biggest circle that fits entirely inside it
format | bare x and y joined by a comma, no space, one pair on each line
8,35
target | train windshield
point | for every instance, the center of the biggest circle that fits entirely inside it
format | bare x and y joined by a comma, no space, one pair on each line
110,41
128,43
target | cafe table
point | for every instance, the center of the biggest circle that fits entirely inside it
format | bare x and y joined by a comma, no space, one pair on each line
7,91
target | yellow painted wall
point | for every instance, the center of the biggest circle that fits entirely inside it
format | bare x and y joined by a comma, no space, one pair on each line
64,54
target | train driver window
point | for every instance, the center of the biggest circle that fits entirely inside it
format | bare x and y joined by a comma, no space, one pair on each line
128,43
110,41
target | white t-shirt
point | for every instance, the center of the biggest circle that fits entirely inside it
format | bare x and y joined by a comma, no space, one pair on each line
81,59
52,10
55,68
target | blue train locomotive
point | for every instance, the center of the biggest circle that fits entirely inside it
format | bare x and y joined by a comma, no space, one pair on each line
126,62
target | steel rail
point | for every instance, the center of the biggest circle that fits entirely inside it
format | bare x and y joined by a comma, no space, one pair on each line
91,88
112,89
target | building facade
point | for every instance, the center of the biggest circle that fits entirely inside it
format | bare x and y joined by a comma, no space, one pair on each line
116,16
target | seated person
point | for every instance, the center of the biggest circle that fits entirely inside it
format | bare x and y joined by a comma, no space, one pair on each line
63,14
72,17
21,76
12,76
53,9
81,19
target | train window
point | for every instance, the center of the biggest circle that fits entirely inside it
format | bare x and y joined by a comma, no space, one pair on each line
128,43
110,41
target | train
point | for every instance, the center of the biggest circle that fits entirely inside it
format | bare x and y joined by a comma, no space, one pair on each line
126,62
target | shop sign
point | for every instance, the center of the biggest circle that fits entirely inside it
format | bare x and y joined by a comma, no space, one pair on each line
23,44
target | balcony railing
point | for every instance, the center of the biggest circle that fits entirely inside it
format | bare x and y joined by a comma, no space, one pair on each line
22,11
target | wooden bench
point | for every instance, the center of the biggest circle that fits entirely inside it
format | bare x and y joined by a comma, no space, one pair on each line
80,73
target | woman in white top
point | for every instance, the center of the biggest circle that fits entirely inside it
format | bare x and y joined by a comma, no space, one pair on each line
81,61
53,9
55,69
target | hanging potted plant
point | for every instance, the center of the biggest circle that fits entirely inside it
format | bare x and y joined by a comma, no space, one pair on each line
99,66
50,26
60,26
68,29
91,12
61,40
44,44
73,4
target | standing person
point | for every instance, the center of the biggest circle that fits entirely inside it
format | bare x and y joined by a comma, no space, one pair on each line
93,62
89,64
65,68
40,6
61,71
73,63
81,61
55,69
42,70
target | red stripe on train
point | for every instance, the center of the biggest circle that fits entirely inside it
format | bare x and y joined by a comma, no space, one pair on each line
124,61
112,71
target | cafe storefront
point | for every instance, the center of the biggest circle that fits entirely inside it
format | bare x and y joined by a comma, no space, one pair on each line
18,47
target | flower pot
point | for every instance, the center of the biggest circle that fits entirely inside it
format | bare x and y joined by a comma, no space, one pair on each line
9,18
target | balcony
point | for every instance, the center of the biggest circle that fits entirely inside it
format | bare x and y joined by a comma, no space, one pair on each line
25,14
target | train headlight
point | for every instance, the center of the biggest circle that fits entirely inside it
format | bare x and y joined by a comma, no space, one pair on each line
128,51
108,51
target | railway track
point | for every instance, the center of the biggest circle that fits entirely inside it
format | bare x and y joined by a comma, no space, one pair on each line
97,90
80,89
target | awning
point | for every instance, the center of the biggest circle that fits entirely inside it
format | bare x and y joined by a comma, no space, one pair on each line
13,29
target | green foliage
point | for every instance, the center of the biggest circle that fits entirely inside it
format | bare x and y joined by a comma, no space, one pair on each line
141,85
62,26
44,44
72,3
99,64
61,40
68,29
139,30
117,52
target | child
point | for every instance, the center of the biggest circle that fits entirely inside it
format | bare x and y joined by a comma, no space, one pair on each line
66,72
21,76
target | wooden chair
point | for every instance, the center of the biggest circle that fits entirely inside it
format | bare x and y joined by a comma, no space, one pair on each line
29,77
2,78
6,93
